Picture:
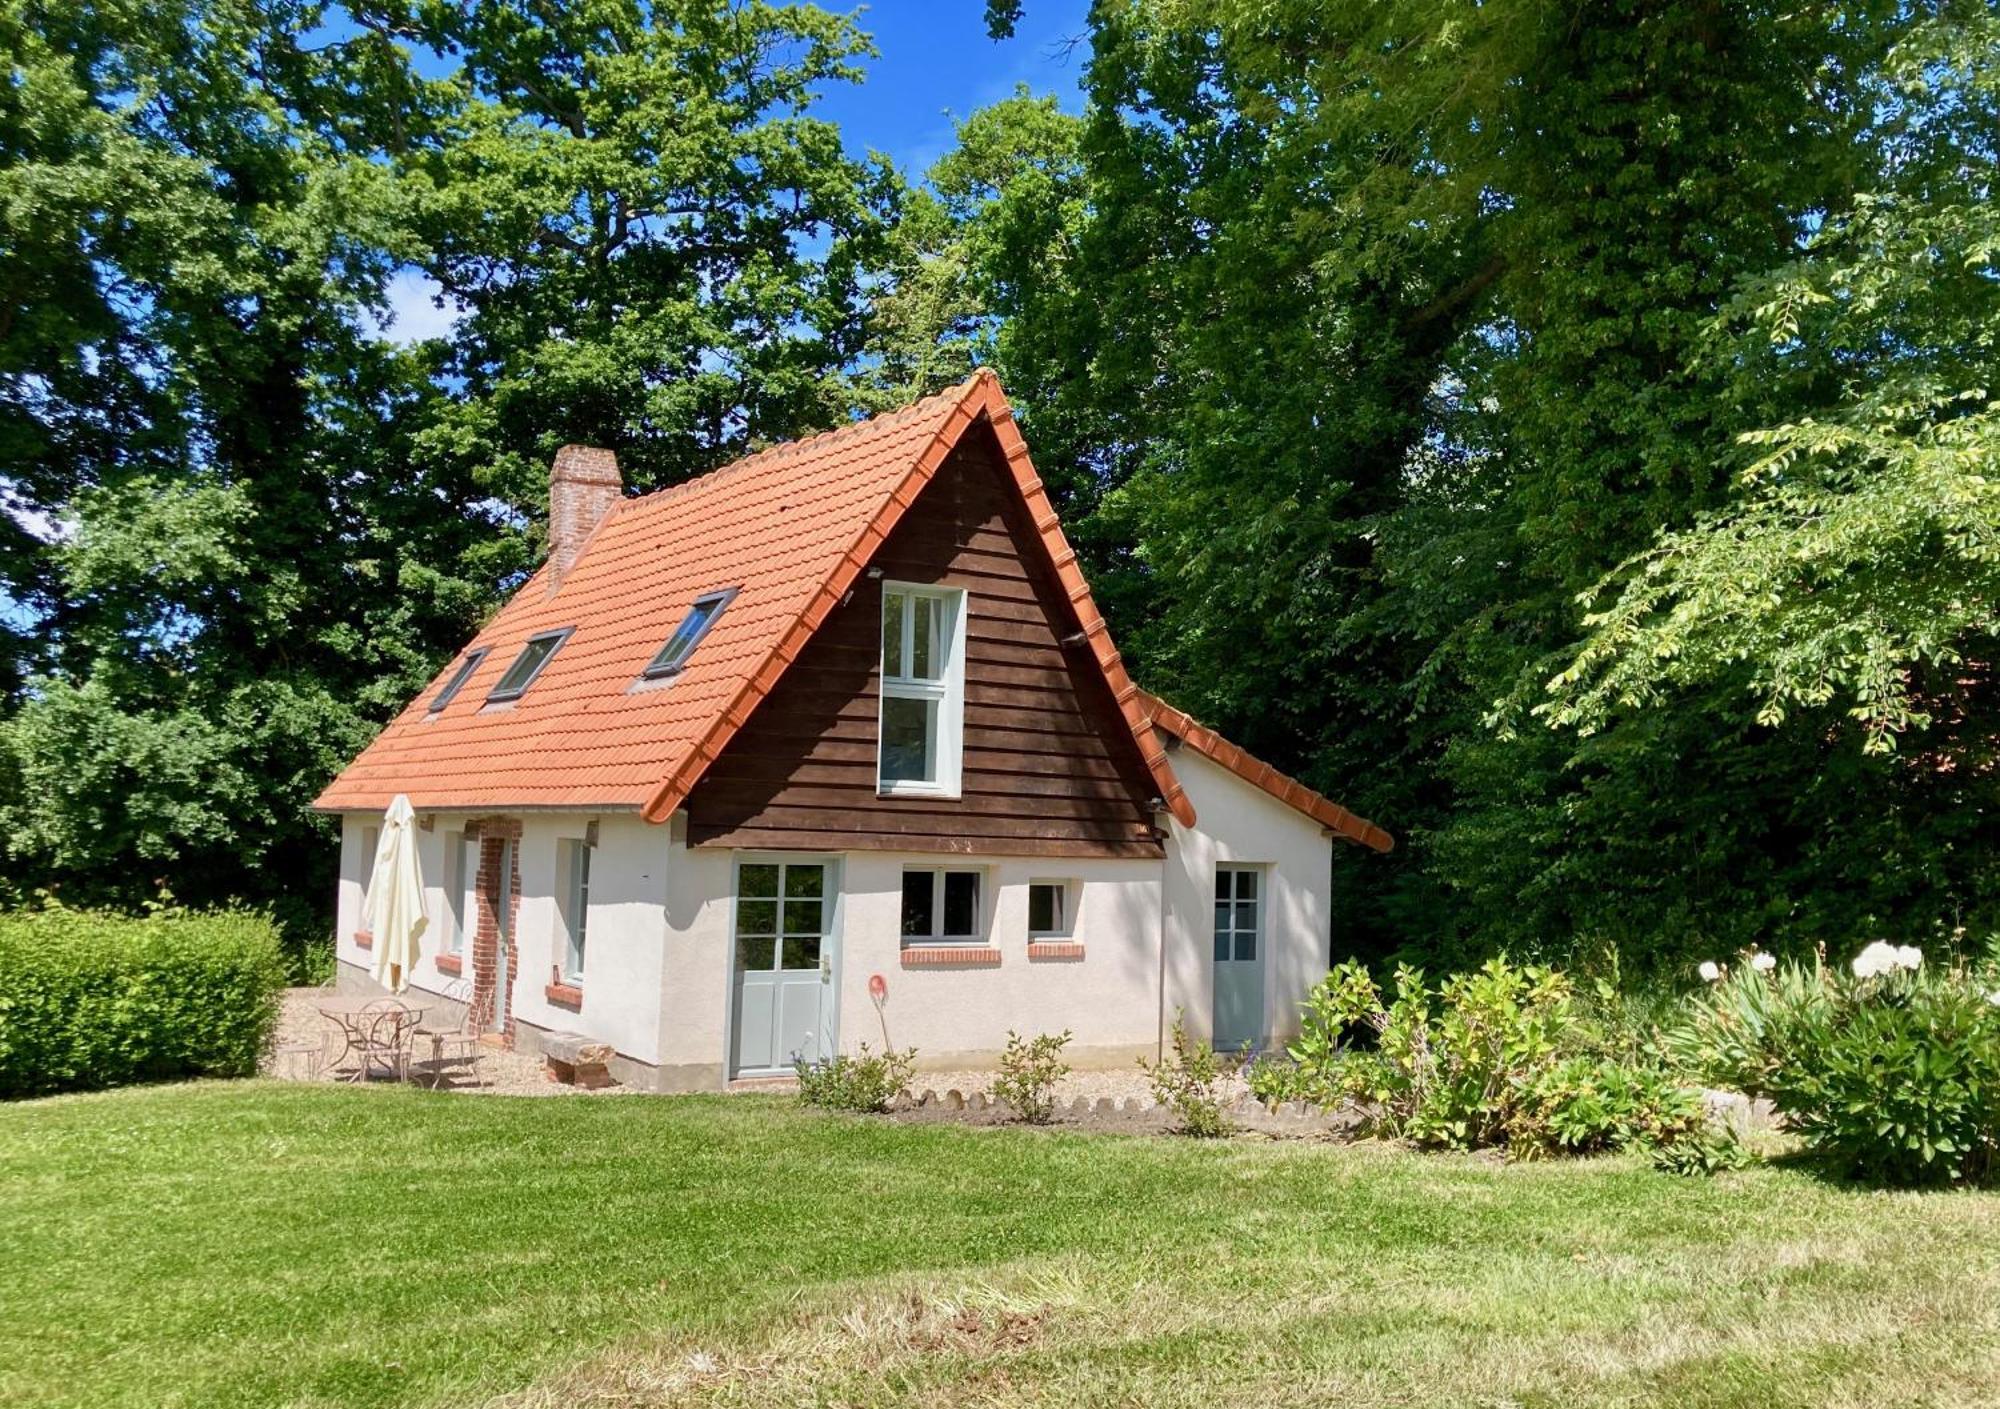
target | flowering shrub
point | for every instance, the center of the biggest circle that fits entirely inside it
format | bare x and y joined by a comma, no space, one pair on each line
1499,1056
1889,1073
1185,1081
865,1082
1029,1071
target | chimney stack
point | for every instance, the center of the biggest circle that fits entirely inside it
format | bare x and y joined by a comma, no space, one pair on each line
583,488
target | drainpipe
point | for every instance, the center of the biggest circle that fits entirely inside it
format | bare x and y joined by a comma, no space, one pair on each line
1167,854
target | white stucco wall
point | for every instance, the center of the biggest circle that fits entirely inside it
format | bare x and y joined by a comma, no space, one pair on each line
959,1016
1237,824
658,982
626,935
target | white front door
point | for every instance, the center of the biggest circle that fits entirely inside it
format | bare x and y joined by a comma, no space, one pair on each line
1239,956
784,971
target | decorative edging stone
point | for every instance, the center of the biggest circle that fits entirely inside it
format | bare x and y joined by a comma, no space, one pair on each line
1247,1115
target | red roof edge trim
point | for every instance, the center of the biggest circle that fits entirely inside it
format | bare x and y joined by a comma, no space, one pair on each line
675,788
1259,774
1062,558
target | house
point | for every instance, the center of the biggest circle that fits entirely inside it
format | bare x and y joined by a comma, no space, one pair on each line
831,746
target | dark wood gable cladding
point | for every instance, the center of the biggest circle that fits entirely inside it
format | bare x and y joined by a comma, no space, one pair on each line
1049,766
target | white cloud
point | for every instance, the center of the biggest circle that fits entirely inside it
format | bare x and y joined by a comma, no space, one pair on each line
414,311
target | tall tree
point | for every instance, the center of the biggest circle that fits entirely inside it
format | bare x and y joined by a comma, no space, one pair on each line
1403,316
263,524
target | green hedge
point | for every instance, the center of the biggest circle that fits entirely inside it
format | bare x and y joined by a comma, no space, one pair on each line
89,1000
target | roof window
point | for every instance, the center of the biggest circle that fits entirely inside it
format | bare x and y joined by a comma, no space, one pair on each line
458,679
673,656
527,665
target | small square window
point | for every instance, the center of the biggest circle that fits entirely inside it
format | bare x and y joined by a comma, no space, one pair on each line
940,905
529,664
1048,908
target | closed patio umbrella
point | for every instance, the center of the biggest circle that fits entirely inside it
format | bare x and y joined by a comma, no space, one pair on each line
395,907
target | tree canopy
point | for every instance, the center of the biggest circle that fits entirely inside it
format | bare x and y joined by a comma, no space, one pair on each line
1564,433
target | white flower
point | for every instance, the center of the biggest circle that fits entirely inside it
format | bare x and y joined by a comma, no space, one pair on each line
1877,959
1710,971
1994,997
1910,957
1763,963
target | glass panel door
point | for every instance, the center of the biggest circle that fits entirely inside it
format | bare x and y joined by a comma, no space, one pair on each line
784,1009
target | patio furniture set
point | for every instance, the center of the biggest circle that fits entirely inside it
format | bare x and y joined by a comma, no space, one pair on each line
367,1036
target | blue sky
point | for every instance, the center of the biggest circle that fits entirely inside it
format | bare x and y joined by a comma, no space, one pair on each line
936,64
936,60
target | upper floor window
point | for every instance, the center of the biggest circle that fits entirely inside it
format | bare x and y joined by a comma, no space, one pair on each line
673,656
527,665
923,689
458,679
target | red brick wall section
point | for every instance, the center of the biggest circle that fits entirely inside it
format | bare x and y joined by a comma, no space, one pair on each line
584,486
494,833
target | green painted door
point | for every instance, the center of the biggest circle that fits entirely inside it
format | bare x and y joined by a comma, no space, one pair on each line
784,1000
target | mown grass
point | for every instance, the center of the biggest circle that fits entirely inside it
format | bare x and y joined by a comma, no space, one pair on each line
259,1244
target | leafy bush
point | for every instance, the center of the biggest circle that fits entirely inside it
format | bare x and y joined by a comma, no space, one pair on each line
1709,1150
1276,1079
1498,1056
1890,1073
866,1081
1584,1105
1029,1071
89,1000
1185,1081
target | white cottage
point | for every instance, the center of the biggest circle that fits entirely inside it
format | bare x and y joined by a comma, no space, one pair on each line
831,746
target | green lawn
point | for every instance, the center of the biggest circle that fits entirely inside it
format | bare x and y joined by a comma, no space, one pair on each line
250,1243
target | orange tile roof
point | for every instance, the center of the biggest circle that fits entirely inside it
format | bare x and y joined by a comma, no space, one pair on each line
792,527
1290,791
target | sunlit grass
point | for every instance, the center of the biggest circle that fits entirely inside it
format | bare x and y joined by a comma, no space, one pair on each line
249,1243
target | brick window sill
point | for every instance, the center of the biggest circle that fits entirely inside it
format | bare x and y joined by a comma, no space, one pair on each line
567,995
951,956
451,965
364,938
1055,949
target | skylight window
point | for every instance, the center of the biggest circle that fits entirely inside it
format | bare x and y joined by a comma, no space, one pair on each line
673,656
458,679
527,665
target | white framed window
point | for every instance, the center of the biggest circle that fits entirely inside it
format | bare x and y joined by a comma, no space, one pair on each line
573,866
371,841
923,691
1049,910
941,907
1237,904
454,893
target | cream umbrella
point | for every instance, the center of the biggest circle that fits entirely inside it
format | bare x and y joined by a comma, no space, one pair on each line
394,911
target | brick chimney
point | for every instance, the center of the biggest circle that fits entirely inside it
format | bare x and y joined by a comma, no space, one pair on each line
583,488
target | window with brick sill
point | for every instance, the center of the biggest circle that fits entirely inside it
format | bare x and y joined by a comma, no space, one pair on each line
563,993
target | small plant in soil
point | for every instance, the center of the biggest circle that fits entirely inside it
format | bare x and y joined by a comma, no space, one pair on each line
1029,1071
1185,1081
866,1081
